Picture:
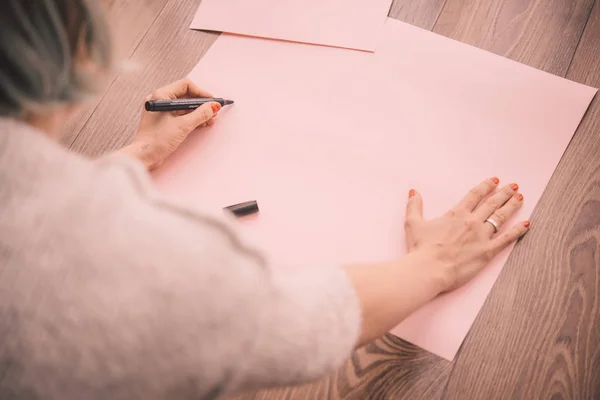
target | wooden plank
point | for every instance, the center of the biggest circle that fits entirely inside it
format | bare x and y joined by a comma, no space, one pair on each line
540,33
538,335
386,369
130,19
168,52
422,13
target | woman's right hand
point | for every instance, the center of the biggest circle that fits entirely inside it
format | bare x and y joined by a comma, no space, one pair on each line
461,239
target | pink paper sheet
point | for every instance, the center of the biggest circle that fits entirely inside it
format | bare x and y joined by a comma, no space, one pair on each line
330,141
354,24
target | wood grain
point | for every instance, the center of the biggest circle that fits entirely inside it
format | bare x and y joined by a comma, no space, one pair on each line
538,335
540,33
386,369
423,13
128,36
168,52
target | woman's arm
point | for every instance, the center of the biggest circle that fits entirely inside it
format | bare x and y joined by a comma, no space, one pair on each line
164,301
444,254
389,292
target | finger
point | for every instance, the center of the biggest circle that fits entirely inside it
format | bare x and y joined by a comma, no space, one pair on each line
201,115
507,238
414,206
181,88
478,193
414,213
179,113
504,213
495,201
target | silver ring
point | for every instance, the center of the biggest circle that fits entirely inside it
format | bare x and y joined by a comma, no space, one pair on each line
494,223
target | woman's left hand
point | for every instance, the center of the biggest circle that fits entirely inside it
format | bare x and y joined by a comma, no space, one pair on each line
160,133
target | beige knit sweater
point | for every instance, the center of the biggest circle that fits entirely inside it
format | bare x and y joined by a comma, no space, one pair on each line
108,291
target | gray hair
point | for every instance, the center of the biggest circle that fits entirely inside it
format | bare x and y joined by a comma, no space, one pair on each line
51,53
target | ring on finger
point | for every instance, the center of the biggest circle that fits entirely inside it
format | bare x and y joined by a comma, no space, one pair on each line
495,223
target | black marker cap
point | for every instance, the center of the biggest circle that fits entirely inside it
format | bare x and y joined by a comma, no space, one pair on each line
243,209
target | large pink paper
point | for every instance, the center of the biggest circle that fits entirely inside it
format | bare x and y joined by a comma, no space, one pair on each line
354,24
329,141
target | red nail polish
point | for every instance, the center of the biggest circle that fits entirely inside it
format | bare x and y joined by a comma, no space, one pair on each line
519,197
514,187
495,180
216,107
527,224
411,193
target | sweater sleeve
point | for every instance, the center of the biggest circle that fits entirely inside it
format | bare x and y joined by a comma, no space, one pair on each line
208,308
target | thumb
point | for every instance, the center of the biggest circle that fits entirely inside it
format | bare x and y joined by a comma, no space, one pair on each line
201,115
414,207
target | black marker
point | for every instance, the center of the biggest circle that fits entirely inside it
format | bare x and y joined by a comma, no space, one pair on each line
183,104
243,209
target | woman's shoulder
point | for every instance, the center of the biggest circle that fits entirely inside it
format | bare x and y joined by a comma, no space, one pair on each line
42,173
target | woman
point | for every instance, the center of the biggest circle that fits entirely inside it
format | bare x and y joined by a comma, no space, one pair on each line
109,291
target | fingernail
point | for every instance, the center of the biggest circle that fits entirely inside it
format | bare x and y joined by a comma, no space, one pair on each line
411,193
519,197
495,180
526,224
514,187
216,107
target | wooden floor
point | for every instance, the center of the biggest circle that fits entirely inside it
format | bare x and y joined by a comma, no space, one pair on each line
538,335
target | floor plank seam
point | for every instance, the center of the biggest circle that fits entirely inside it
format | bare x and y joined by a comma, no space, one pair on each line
445,391
390,9
595,4
149,28
438,16
74,141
